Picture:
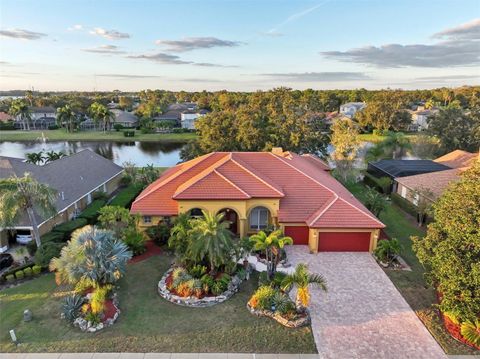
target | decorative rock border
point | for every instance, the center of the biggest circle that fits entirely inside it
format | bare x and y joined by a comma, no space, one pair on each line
86,326
195,302
301,322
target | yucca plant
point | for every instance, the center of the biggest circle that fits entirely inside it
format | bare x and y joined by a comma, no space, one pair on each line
471,331
302,279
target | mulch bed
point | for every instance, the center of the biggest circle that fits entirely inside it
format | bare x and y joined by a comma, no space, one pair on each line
110,310
152,250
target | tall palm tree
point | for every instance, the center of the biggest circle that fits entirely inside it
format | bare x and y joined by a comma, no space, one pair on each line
210,240
66,117
51,156
271,245
35,158
19,109
92,255
25,194
101,114
397,143
302,279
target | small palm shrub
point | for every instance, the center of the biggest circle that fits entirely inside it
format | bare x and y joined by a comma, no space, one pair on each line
71,307
282,303
159,233
92,318
471,331
388,250
135,241
197,271
207,282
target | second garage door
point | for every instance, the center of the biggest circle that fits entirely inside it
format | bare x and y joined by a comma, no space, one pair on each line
344,242
298,233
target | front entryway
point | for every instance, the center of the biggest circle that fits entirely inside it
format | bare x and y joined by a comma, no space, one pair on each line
231,216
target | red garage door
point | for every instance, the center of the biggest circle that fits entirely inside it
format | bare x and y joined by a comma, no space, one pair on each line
343,242
298,233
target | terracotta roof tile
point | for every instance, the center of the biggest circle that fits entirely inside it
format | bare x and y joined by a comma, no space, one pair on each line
458,159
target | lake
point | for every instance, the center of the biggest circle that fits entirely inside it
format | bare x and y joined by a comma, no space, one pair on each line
160,154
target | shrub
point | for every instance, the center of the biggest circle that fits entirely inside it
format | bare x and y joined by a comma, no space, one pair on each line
197,288
19,274
27,272
283,304
404,204
185,289
68,227
91,212
159,233
71,306
10,278
97,302
388,250
46,252
36,270
125,197
382,184
264,297
135,241
100,195
207,282
117,127
7,126
51,237
471,332
92,318
53,127
217,288
198,271
129,133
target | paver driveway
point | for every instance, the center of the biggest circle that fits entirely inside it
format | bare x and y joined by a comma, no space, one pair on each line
362,315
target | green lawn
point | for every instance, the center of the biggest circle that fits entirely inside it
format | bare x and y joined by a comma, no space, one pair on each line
412,284
370,137
147,322
62,135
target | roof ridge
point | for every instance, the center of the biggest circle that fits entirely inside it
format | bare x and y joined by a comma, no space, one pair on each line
184,186
310,222
362,211
232,183
257,177
175,175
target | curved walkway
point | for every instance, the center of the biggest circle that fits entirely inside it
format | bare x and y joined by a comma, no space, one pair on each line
362,315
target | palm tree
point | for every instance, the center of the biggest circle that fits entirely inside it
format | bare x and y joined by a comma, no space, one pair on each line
101,113
25,194
396,143
66,117
51,156
35,158
92,255
271,245
178,240
210,240
302,279
19,109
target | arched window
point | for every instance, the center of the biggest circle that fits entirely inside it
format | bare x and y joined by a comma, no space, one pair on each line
258,218
196,212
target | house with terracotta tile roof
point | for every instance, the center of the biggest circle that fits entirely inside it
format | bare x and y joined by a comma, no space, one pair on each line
431,185
257,189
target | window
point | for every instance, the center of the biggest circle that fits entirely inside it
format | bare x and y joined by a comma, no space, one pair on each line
404,192
147,219
196,212
258,218
416,197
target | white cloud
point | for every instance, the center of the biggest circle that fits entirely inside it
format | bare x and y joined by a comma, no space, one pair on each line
109,34
22,34
105,49
193,43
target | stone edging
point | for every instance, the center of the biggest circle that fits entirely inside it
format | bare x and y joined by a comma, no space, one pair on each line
301,322
86,326
195,302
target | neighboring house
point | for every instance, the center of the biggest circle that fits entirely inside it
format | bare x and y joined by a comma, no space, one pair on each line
189,117
256,190
5,117
402,168
124,118
410,187
75,178
350,108
41,118
420,118
88,125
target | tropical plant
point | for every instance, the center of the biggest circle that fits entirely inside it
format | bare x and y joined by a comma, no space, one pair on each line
374,201
101,114
67,118
471,331
388,250
35,158
94,255
302,279
179,237
135,241
115,218
25,194
282,303
270,245
210,240
19,109
198,271
71,306
51,156
263,298
346,142
396,144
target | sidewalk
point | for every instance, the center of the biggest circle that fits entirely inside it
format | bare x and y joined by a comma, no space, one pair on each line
155,356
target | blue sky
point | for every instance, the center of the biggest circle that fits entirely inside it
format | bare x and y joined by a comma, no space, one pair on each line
238,45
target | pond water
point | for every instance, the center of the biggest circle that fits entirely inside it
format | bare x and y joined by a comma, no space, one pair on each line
160,154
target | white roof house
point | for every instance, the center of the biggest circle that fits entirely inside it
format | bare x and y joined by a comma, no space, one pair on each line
350,108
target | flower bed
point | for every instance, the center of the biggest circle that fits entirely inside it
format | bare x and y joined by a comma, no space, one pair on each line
299,320
194,296
109,316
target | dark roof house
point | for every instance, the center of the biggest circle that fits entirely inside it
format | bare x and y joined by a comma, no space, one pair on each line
402,168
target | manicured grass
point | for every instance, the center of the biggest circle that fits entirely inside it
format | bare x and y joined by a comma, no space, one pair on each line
147,322
62,135
370,137
412,285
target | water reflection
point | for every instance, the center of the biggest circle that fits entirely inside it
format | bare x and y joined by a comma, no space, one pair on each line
164,154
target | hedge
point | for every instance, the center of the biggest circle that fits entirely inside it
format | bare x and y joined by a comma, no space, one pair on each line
12,271
91,212
404,204
68,227
373,181
125,197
